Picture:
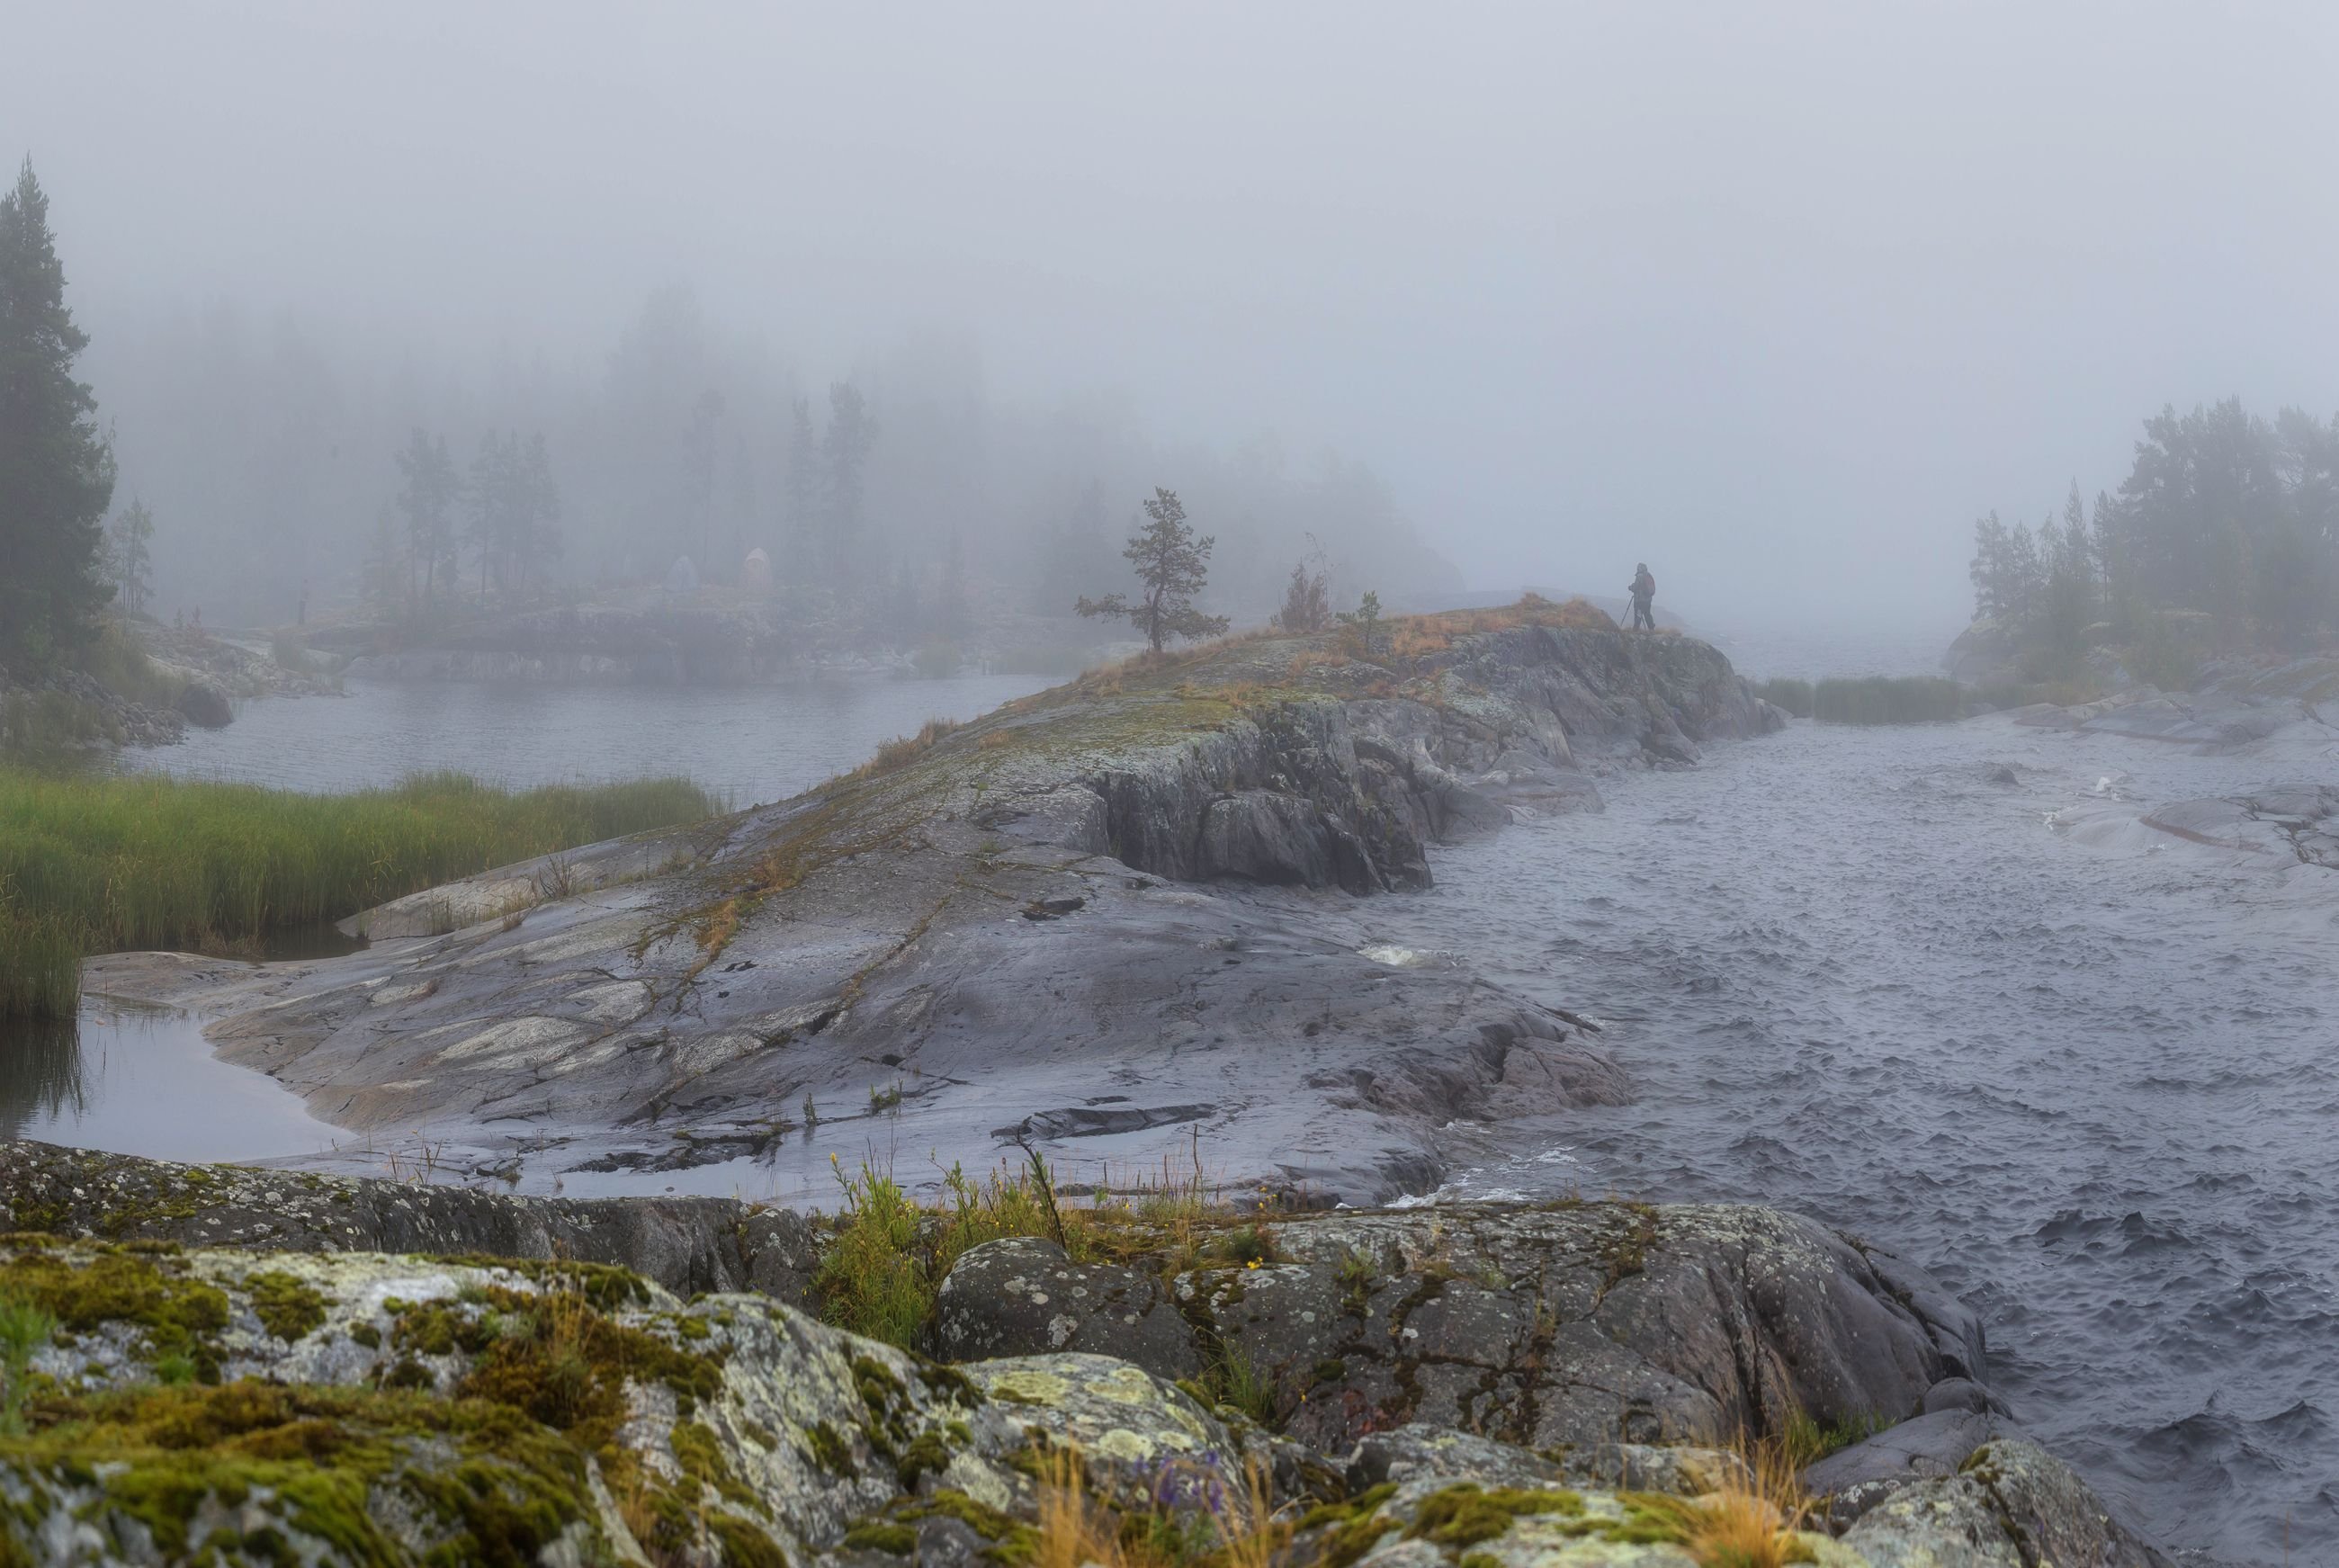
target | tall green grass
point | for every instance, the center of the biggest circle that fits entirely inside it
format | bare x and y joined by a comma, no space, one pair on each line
109,863
1888,700
1792,695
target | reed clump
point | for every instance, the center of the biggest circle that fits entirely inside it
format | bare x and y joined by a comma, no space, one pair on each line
1888,700
1792,697
112,863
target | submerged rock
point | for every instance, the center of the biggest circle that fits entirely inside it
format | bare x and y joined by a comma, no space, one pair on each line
204,704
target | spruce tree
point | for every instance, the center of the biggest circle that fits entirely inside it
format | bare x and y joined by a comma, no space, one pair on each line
56,471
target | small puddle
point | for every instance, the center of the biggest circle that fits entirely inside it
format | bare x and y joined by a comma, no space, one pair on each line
144,1082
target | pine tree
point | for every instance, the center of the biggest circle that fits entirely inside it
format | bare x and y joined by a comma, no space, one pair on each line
1173,564
56,471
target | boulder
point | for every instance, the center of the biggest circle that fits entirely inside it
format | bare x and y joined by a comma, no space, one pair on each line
1023,1296
1854,1479
2015,1506
1575,1327
204,704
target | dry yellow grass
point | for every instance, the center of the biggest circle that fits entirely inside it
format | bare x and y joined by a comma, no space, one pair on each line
902,750
1413,635
1076,1530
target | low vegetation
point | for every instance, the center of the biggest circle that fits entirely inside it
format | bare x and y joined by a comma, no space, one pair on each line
96,865
887,1252
1888,700
1792,697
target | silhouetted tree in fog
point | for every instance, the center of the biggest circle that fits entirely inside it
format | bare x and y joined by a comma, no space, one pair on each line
845,452
1173,564
1307,598
56,472
427,498
2221,513
699,478
132,556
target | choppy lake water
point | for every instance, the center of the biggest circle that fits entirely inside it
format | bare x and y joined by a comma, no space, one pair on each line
2085,1072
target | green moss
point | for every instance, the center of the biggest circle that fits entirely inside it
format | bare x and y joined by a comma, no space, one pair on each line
287,1308
84,1292
409,1374
367,1334
607,1286
1650,1519
701,1458
878,1385
949,1503
949,1383
1466,1515
743,1546
499,1488
926,1453
829,1449
882,1535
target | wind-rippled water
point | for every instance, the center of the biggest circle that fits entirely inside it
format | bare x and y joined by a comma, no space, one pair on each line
2087,1074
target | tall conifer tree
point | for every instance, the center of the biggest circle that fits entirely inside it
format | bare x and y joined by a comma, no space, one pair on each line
56,471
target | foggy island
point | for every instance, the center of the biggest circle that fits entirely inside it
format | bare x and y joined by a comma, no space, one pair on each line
1224,789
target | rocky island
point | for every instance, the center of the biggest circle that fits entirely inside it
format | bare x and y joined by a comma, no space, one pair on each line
1128,904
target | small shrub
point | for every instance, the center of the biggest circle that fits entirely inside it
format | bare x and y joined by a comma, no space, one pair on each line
871,1278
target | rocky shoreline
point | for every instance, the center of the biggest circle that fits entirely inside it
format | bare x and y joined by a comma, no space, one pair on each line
1129,915
245,1365
1093,921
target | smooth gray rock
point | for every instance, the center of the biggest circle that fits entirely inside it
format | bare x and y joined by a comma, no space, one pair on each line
2015,1506
1024,1296
1960,1394
688,1245
1575,1327
1418,1452
1854,1480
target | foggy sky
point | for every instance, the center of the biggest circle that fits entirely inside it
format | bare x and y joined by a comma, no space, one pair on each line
1776,298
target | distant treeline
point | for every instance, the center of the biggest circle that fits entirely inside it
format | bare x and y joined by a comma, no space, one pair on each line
2227,516
278,456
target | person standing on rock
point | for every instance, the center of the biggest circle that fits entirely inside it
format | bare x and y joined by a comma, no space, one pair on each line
1644,594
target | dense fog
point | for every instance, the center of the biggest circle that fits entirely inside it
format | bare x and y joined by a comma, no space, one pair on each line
1779,302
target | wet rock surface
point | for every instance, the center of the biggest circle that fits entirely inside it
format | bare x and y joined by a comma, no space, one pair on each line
1190,836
